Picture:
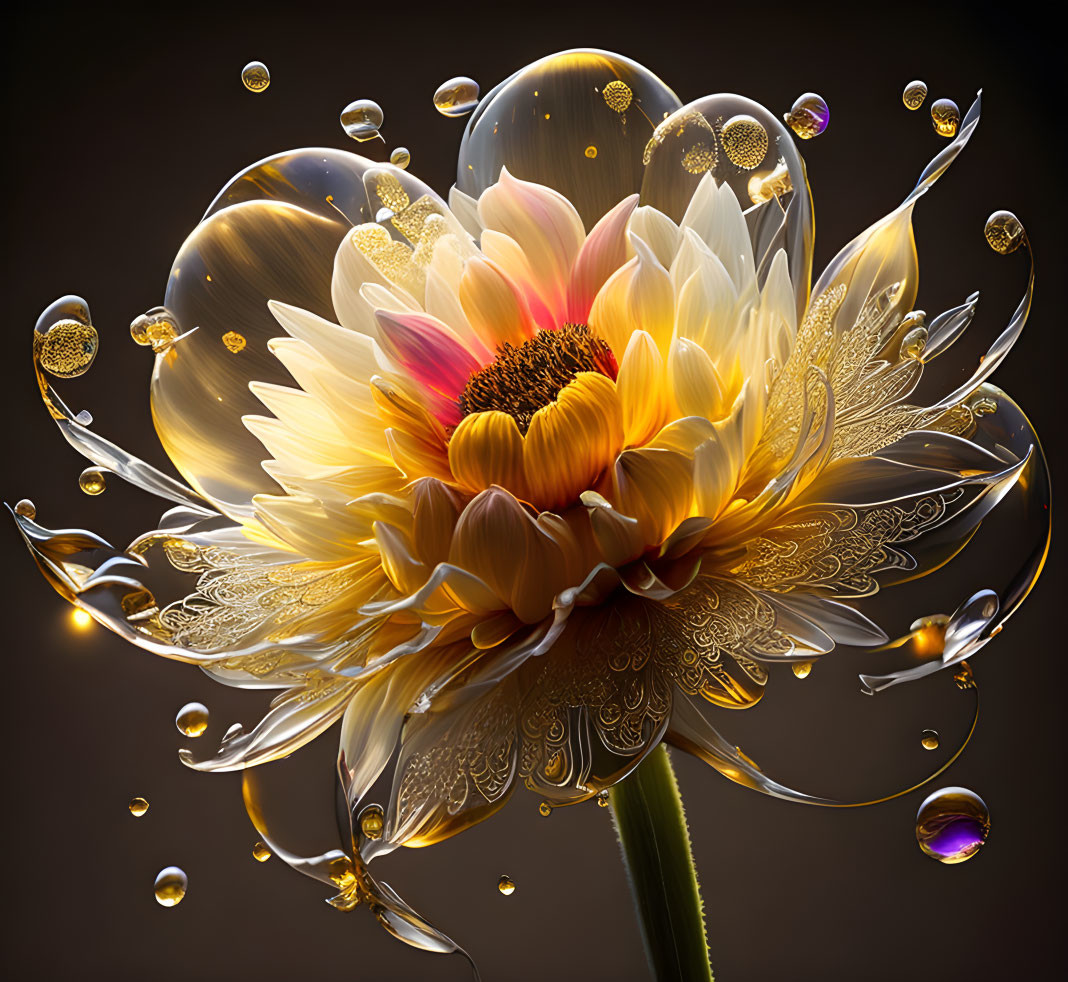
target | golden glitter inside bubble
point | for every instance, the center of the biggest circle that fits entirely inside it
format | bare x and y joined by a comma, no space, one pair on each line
26,508
506,885
617,95
68,348
591,151
233,341
372,821
92,481
945,117
260,852
914,94
802,669
138,806
698,159
745,141
255,76
1004,232
156,329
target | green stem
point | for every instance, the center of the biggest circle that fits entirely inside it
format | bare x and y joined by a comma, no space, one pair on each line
651,825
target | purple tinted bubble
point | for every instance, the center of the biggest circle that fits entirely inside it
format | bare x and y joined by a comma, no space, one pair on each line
958,837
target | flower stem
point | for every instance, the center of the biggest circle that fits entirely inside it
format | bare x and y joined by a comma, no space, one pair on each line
651,825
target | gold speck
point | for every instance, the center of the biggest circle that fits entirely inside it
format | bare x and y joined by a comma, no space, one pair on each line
617,95
234,342
591,151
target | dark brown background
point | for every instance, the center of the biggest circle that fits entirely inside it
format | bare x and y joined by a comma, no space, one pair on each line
120,130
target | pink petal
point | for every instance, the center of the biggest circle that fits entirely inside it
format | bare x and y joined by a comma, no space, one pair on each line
603,252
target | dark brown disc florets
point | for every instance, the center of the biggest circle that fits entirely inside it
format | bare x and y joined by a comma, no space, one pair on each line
521,380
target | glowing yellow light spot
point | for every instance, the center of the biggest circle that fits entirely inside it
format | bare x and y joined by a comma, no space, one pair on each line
591,151
80,619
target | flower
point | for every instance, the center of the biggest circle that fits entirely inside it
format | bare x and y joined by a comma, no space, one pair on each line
568,461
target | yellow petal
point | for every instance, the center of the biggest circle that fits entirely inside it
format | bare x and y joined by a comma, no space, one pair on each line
641,389
487,449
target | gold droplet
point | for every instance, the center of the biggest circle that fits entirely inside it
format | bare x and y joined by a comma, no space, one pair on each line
929,739
138,806
170,887
92,481
156,328
255,76
80,618
591,151
602,799
914,94
698,159
192,719
68,348
260,852
1004,232
234,342
26,508
401,157
945,117
545,809
506,885
801,669
745,141
617,95
372,822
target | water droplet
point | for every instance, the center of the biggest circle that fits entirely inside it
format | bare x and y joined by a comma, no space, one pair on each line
506,885
914,94
802,669
929,739
591,151
545,809
26,508
260,852
255,76
456,97
602,799
170,886
92,481
945,117
1004,232
745,141
67,348
401,157
808,116
952,825
362,119
192,719
234,342
156,328
913,343
617,95
138,806
80,618
372,821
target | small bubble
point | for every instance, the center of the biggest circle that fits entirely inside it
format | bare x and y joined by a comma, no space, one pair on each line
260,852
401,157
372,822
952,825
255,76
457,97
67,348
929,739
801,669
617,95
138,806
92,481
945,117
914,94
809,115
362,119
602,799
591,151
234,342
192,719
545,809
170,886
745,141
913,343
506,885
156,328
26,508
1004,232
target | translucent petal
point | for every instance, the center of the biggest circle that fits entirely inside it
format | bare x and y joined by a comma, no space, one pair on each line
577,121
688,144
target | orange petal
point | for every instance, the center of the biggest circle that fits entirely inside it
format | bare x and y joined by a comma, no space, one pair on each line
494,307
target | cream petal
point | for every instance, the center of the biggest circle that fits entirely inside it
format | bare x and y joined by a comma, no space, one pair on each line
697,386
465,208
506,254
495,308
657,230
443,303
716,216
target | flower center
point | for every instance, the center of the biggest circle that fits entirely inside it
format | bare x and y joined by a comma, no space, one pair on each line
520,381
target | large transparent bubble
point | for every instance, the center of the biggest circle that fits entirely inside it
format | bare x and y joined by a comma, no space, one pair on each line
760,162
577,121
